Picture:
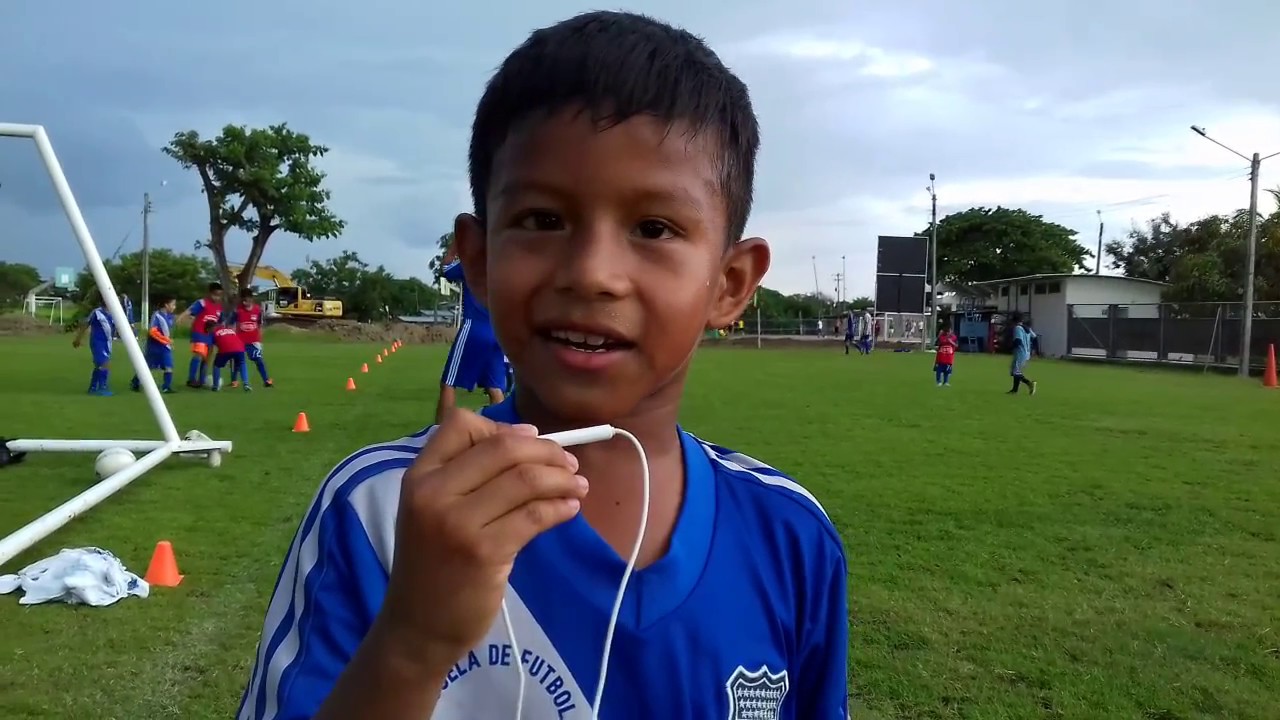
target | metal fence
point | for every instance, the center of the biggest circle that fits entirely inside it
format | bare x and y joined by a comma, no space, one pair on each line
1191,333
890,327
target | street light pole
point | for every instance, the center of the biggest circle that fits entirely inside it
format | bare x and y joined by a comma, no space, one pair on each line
145,318
1255,165
933,264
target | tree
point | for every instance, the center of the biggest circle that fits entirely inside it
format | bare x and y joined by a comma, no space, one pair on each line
982,244
257,180
182,275
1202,261
16,280
366,293
436,266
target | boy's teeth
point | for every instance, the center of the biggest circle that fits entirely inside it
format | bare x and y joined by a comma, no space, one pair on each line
579,338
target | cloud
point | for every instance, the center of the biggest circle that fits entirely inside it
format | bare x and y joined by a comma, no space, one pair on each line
1061,106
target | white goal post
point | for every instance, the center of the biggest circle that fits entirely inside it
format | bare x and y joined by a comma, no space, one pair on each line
157,451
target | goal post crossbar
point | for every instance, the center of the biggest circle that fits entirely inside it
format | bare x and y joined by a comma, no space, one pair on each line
157,450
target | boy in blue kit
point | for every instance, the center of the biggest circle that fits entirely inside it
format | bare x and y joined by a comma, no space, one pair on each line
159,347
474,358
202,312
101,329
465,572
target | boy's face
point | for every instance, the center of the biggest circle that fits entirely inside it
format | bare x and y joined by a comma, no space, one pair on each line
619,234
170,306
215,295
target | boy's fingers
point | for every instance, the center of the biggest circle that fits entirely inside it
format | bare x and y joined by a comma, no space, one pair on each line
513,531
519,486
487,461
459,431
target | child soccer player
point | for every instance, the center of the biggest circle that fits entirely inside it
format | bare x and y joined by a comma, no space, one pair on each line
611,161
202,312
159,349
1022,337
474,358
101,329
230,350
248,318
946,356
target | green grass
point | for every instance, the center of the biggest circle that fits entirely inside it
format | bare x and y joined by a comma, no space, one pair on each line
1107,549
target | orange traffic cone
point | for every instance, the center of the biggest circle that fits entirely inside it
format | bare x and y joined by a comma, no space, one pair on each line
364,368
1269,375
378,358
163,570
384,352
351,383
301,424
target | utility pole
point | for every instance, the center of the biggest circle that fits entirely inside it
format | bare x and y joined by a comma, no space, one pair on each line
933,263
144,323
1255,164
1097,270
844,274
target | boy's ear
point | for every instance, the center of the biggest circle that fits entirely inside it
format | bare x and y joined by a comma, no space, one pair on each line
468,238
741,271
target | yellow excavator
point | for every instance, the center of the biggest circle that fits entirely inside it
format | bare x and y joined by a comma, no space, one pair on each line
290,300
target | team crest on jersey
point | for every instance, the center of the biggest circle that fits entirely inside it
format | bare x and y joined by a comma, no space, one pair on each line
756,695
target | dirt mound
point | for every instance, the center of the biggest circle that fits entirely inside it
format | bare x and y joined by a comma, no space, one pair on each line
385,332
15,324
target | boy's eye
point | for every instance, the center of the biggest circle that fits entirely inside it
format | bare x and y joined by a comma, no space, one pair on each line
541,221
654,230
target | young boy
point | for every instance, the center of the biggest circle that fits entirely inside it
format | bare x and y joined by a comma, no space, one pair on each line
612,161
202,312
1022,337
946,356
101,329
230,350
474,359
248,317
159,349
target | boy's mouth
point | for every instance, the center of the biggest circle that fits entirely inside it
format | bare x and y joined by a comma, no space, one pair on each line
586,342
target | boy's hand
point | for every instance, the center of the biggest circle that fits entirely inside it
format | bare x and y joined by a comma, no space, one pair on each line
75,343
476,495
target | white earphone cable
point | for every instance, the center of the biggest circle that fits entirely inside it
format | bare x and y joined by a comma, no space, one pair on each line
569,438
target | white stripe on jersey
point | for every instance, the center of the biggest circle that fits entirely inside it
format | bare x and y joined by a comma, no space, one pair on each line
303,555
739,463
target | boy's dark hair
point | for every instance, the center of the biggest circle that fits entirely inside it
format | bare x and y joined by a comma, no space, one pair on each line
246,293
210,326
215,285
162,300
614,66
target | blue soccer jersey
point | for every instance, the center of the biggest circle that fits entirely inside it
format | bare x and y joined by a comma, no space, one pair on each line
101,328
471,308
746,617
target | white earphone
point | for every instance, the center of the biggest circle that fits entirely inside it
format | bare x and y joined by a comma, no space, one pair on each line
569,438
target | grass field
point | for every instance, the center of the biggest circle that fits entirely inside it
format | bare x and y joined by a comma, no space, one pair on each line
1107,549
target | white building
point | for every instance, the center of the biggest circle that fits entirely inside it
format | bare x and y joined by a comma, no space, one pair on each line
1045,299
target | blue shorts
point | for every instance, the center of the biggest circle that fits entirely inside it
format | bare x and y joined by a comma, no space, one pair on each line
253,351
159,357
224,358
101,353
942,368
475,360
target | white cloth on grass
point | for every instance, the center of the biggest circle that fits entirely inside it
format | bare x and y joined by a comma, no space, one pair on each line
80,576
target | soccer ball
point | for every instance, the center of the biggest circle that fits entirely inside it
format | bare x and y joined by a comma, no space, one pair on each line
112,461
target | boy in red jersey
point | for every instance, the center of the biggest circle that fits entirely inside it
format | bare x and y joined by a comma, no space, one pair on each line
942,364
248,317
202,312
230,350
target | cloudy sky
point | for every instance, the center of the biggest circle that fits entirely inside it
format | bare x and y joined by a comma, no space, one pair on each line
1063,107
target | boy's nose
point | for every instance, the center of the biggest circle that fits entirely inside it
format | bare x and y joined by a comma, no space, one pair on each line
596,262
